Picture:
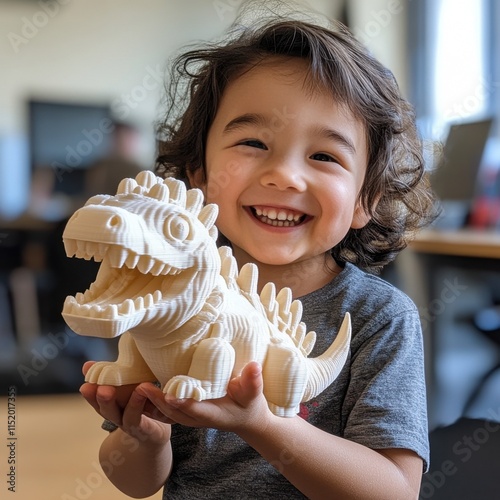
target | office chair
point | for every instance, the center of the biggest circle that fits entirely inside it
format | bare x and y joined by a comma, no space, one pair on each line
486,321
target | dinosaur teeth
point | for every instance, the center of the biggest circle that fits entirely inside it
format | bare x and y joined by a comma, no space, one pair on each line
117,256
145,264
69,304
132,260
95,311
148,301
80,249
157,268
110,311
127,307
75,305
71,247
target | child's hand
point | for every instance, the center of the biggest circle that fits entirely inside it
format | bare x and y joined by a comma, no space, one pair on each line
129,409
244,407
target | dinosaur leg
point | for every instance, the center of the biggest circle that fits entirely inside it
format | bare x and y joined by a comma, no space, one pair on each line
209,374
129,368
285,378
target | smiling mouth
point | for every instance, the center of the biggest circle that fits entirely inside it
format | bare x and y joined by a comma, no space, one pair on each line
278,217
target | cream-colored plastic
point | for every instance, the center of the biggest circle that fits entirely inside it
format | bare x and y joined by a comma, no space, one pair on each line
186,317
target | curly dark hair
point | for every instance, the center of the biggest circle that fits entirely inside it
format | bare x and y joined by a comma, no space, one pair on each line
395,193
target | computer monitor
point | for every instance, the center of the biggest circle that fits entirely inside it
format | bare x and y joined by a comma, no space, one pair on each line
68,137
455,179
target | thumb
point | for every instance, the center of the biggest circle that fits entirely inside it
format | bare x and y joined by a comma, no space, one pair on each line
249,385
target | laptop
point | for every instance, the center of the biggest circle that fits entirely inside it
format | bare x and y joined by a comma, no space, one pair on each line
454,180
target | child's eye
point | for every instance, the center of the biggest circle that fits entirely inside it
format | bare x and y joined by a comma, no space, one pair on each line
253,143
323,157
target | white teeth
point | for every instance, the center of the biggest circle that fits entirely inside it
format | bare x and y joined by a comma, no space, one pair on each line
102,249
69,304
145,264
127,307
71,247
157,268
110,311
95,311
132,260
85,310
148,301
76,305
271,215
117,256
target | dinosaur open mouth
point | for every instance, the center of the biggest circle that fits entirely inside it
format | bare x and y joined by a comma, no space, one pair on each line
126,283
278,217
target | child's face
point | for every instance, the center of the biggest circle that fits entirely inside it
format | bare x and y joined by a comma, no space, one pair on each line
285,165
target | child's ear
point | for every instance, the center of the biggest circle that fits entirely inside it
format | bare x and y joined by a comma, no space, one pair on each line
360,217
197,178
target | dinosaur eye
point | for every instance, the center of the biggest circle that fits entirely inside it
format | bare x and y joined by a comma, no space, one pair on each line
177,227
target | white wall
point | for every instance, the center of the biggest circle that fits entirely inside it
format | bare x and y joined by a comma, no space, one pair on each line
106,49
382,26
95,49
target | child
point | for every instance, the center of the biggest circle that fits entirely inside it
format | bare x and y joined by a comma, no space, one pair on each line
306,145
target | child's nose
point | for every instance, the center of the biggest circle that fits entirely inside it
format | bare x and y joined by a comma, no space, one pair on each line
284,174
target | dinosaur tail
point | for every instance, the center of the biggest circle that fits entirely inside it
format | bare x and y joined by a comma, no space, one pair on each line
324,369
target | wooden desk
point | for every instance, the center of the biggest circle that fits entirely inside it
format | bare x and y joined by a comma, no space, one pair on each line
463,243
58,439
445,271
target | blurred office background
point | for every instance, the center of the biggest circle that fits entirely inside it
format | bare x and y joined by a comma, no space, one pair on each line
81,86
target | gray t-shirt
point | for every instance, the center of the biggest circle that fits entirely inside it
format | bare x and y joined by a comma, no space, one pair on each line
378,400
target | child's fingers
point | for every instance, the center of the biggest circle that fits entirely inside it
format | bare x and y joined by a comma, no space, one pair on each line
131,420
108,406
154,399
88,391
157,408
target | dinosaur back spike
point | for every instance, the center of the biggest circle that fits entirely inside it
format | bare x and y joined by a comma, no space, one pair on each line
247,279
324,369
126,186
177,192
146,179
159,192
295,314
208,215
229,268
284,299
194,201
268,299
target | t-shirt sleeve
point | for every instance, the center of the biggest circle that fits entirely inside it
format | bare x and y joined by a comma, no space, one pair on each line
386,397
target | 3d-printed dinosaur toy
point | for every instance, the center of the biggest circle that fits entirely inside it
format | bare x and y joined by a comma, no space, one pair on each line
187,318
